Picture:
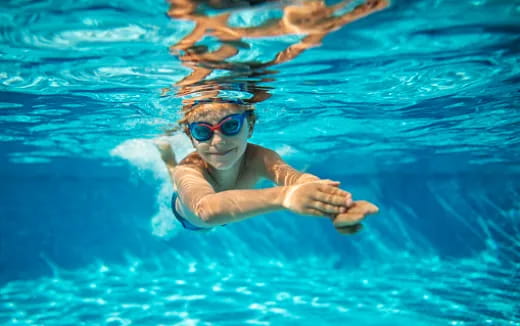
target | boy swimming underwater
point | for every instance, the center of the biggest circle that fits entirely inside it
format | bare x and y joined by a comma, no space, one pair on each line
214,185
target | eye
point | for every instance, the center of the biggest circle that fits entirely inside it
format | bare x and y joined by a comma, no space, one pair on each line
201,131
230,125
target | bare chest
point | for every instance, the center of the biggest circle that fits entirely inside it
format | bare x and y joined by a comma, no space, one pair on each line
245,180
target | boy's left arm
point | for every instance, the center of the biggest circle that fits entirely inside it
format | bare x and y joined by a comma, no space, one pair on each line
281,173
278,171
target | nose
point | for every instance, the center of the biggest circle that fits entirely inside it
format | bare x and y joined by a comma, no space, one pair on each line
217,137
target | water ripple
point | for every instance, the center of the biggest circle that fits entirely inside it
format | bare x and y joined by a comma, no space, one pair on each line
140,293
437,76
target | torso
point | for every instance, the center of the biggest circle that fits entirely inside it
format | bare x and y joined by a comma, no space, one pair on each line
251,172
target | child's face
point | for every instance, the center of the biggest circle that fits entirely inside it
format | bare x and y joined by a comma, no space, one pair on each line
220,151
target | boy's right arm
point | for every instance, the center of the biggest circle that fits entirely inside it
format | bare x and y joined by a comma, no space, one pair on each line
314,198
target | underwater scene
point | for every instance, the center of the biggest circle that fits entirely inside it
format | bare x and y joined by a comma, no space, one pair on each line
411,108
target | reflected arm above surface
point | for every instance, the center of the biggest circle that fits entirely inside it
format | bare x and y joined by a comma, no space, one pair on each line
294,50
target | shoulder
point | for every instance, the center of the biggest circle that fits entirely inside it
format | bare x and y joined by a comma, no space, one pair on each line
191,173
260,154
192,163
193,160
261,159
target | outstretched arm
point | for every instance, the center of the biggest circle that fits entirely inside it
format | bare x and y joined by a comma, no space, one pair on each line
330,24
321,198
294,50
279,172
346,222
364,9
202,25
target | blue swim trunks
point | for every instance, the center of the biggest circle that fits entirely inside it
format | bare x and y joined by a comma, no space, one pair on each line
185,223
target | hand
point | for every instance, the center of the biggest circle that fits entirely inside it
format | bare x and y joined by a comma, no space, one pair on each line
166,151
348,222
317,198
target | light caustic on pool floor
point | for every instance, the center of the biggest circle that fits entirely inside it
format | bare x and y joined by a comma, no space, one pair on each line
429,292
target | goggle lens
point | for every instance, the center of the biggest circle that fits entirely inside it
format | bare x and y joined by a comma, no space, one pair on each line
229,126
201,132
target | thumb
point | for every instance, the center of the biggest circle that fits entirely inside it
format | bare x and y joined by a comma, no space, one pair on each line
369,207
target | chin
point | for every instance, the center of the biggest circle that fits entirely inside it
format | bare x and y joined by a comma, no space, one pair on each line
226,162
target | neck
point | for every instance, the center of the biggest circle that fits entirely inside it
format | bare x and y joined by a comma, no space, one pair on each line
227,178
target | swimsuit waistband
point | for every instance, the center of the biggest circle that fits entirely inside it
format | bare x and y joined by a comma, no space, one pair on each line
185,223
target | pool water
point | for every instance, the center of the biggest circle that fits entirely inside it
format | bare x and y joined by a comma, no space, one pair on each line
414,107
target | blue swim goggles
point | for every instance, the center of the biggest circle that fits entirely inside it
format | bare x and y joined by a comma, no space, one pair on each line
229,125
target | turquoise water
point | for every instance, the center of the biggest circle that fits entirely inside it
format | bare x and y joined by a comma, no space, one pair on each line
415,107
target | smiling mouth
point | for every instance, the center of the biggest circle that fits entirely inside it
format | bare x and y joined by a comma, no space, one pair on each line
222,153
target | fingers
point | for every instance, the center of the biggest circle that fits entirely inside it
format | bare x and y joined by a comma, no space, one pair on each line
347,219
327,208
333,196
332,189
355,214
317,212
332,199
366,207
327,181
348,199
